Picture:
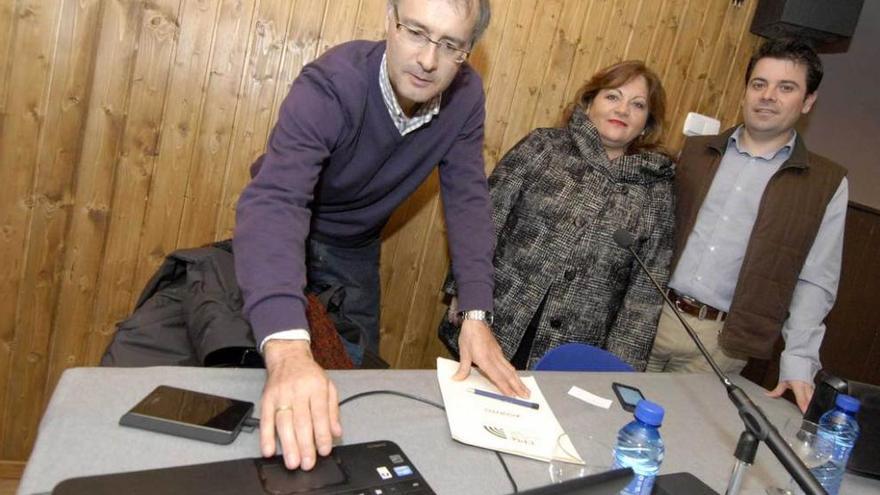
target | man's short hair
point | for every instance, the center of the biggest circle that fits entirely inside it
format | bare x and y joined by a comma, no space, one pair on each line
483,17
794,50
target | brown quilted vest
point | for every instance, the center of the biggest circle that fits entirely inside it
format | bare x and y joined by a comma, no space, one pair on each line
789,217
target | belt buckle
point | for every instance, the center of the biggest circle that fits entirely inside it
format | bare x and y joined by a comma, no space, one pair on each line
703,311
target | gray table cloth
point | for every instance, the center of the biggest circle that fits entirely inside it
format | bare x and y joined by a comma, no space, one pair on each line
79,434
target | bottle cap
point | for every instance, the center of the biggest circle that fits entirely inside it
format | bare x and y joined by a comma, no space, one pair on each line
649,412
847,402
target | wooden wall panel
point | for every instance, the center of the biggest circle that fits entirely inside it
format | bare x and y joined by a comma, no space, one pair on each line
135,167
177,137
209,164
57,155
90,217
257,101
30,73
127,129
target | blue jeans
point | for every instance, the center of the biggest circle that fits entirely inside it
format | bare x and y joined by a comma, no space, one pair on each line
349,280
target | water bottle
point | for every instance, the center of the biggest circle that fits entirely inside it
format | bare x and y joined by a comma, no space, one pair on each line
640,447
838,431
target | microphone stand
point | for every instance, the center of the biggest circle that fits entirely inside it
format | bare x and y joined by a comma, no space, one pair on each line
758,427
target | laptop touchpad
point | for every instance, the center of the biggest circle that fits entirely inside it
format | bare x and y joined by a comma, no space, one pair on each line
278,480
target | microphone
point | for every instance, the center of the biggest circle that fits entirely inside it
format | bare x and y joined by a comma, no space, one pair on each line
753,417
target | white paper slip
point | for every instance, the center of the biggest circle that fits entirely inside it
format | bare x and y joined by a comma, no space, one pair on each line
479,415
589,398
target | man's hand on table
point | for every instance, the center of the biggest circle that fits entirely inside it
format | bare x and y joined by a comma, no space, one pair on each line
478,346
299,404
803,392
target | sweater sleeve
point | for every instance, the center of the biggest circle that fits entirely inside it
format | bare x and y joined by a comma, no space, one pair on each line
273,212
468,214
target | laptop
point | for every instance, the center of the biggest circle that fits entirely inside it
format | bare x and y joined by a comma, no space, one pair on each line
372,468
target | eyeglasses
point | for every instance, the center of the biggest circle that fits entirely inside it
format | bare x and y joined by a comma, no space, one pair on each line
419,38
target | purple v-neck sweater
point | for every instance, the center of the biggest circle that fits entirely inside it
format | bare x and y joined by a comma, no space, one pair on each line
336,168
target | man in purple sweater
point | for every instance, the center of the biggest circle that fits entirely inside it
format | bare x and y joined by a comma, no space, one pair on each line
362,127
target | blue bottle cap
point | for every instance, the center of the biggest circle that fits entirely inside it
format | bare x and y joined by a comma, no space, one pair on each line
847,402
650,412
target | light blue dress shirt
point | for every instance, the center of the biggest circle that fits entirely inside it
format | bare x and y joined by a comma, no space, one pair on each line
709,266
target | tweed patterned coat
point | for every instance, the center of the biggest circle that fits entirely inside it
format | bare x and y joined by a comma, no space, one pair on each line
557,201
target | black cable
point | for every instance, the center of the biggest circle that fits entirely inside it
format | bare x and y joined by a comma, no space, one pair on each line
430,403
250,424
392,392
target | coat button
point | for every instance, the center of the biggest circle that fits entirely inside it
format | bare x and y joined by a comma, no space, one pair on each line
623,190
569,275
578,221
555,323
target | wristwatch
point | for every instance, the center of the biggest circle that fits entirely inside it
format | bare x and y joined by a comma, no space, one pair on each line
476,314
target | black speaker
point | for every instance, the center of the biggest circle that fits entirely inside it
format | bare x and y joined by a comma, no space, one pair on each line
865,459
821,21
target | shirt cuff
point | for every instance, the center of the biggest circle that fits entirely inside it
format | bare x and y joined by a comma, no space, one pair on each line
475,295
293,334
797,368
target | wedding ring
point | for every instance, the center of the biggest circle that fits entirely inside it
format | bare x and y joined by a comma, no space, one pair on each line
283,408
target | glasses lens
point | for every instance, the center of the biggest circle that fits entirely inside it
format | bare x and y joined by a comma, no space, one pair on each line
420,39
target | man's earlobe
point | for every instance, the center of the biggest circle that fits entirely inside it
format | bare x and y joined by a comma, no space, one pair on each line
809,100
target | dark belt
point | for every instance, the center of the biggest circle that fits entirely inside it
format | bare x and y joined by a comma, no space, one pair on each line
693,307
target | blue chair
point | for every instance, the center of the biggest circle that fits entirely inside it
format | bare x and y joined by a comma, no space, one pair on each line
580,357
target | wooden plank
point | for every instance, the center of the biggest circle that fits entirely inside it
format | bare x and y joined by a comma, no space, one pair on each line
588,51
103,130
435,348
647,26
421,323
725,47
29,79
259,85
676,72
662,48
11,470
531,76
135,167
397,299
339,25
618,34
57,155
370,24
503,77
551,99
698,68
663,42
484,55
180,129
209,162
7,34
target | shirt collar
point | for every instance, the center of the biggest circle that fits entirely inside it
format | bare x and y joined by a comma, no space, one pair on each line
404,124
783,152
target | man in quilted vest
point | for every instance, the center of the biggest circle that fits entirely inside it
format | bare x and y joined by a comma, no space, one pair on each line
760,224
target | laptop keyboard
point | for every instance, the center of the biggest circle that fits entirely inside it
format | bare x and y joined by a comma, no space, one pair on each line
409,487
